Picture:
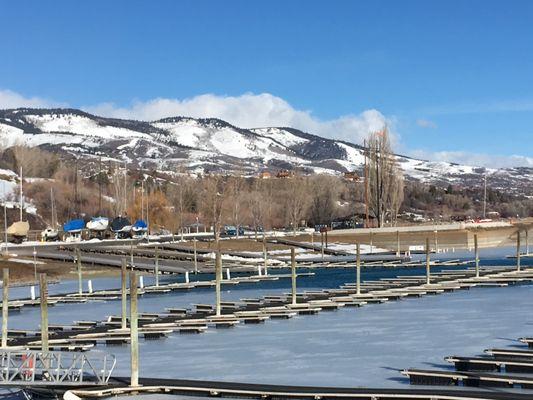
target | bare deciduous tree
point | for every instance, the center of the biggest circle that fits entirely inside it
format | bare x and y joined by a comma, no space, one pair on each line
324,194
235,184
258,205
296,202
212,199
385,178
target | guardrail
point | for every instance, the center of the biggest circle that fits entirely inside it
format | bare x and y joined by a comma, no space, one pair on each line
55,368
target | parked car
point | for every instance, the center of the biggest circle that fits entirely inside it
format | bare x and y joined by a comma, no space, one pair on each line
231,230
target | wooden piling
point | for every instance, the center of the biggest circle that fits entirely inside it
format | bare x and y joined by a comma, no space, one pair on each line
476,249
293,274
518,250
156,266
5,305
123,292
428,272
134,333
218,279
43,289
358,267
80,278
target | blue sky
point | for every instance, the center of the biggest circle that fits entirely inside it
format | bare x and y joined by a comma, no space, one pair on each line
453,78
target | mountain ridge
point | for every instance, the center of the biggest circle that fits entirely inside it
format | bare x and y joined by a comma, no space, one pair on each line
212,144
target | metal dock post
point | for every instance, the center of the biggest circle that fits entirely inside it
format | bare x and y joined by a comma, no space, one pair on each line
156,265
293,274
218,279
43,289
134,333
123,292
5,305
80,278
518,250
428,272
476,249
358,267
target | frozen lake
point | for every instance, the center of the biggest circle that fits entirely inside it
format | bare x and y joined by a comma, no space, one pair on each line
351,347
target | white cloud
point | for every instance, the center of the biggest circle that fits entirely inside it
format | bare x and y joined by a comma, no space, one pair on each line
425,123
474,159
10,99
251,111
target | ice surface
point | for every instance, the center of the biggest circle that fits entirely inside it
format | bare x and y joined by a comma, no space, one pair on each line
350,347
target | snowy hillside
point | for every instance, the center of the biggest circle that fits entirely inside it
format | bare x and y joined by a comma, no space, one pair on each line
213,145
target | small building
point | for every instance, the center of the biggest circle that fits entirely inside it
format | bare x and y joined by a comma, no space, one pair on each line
351,176
284,173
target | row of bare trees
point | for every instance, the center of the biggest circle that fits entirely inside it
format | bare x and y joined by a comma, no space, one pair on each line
177,200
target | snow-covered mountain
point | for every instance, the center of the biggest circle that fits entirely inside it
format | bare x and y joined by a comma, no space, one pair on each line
214,145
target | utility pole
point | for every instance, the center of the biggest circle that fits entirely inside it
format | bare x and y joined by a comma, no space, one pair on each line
76,200
367,220
100,185
485,197
21,195
142,200
5,220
